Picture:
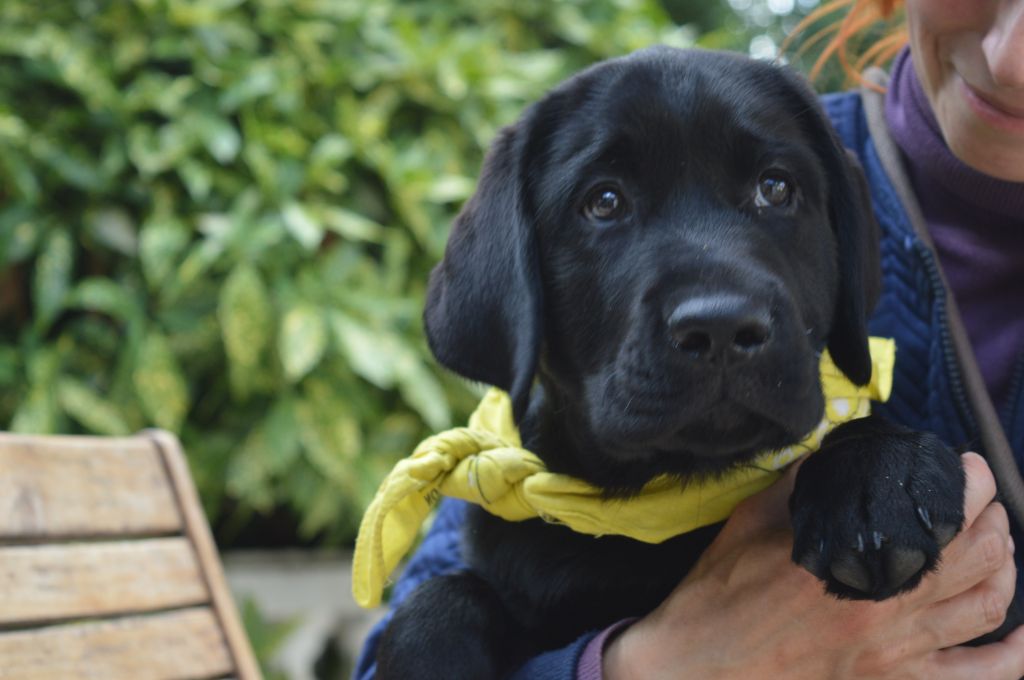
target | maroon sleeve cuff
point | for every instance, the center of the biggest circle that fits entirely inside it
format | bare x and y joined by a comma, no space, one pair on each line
590,663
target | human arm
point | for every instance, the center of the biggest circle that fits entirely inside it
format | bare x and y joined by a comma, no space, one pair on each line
746,610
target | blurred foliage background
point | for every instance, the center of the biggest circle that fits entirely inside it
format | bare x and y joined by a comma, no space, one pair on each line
218,217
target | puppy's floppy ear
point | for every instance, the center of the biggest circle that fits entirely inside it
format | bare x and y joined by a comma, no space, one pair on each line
860,277
856,233
483,312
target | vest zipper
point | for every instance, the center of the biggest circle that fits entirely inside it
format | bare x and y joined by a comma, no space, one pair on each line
945,338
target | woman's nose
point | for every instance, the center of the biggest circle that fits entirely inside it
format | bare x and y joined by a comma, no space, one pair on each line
1004,46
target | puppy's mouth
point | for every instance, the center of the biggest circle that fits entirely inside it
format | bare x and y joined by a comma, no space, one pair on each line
700,422
726,431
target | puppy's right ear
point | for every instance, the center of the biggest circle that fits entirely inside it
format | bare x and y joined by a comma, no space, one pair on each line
483,313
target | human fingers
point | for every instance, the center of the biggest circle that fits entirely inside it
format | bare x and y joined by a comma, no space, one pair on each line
1002,660
979,610
980,488
973,556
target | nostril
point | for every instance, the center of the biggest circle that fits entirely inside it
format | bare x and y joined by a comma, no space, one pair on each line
751,337
695,342
718,328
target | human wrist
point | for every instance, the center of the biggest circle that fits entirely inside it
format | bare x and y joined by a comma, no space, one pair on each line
629,654
591,661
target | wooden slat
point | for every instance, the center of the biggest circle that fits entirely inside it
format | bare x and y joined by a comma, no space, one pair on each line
52,582
83,486
198,531
180,644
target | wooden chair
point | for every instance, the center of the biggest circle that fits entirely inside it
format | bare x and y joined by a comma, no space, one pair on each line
107,565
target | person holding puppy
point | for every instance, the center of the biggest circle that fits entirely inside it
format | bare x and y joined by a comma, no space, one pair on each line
943,153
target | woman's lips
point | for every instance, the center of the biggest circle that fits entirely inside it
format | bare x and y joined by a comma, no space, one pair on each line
999,114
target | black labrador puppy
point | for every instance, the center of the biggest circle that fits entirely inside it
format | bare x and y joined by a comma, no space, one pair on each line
654,259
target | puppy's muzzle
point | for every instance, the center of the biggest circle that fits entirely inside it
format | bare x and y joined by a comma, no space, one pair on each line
720,329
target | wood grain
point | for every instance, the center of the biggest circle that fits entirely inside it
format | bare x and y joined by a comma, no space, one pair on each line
179,644
100,530
198,531
83,487
62,581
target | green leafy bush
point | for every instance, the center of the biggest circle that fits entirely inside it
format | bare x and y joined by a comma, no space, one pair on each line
218,217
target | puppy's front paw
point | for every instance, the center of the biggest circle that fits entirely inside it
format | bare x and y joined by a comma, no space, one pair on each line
874,507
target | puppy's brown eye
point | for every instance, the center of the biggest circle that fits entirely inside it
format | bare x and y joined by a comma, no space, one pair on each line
774,190
603,204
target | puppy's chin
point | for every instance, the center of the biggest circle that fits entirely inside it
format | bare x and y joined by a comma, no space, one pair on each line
716,439
705,447
726,433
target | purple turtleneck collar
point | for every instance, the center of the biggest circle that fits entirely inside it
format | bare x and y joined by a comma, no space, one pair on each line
976,223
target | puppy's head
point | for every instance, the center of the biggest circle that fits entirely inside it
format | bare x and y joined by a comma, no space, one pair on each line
669,240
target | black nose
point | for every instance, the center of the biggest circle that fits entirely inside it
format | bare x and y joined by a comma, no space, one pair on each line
728,328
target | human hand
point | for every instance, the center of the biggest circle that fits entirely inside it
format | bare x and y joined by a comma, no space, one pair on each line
746,611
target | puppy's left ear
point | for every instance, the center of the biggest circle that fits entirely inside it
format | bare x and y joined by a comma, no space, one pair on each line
860,277
856,234
483,310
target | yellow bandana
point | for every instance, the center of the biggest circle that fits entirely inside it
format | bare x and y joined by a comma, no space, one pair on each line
485,464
